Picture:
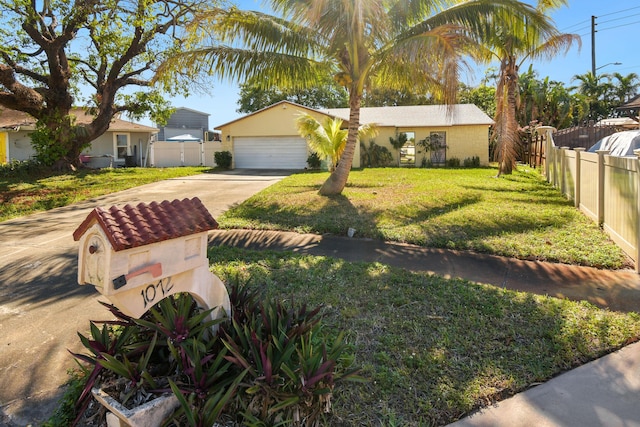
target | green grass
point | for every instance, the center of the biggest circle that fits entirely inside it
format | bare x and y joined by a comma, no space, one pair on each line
519,215
431,349
26,193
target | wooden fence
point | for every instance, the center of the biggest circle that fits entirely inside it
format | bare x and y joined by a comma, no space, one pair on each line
533,150
584,136
606,188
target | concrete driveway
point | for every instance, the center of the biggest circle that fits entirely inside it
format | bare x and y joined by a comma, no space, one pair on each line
41,304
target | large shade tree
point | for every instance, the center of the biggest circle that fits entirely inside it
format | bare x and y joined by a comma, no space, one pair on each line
518,39
414,45
52,51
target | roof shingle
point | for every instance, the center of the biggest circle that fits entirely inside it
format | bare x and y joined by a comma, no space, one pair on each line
418,115
132,226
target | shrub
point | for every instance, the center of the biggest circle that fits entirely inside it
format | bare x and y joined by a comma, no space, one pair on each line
471,162
292,365
374,155
223,159
22,169
269,363
453,162
314,161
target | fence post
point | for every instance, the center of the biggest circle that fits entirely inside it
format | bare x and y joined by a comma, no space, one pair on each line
563,170
547,131
637,236
600,211
152,155
578,180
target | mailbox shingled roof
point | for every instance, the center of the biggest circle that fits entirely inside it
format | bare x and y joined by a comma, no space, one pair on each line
132,226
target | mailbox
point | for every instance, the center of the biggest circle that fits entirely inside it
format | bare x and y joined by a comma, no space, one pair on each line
137,255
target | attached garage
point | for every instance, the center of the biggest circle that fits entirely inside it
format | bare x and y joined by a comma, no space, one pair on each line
270,152
269,138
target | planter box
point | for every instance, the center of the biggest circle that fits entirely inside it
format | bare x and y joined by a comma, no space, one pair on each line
149,414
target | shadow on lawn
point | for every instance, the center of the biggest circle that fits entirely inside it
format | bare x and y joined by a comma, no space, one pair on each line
432,349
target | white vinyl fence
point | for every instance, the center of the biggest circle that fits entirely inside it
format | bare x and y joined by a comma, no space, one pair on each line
170,154
604,187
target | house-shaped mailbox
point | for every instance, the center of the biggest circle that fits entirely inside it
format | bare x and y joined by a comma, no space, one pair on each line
137,255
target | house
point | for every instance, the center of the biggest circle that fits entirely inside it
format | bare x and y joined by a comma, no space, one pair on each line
185,141
268,138
185,121
628,113
124,142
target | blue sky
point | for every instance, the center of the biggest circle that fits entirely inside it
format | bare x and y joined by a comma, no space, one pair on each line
617,40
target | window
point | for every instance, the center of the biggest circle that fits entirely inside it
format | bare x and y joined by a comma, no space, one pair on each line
408,150
121,145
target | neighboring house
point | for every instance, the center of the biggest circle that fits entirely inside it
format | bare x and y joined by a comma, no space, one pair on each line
631,110
185,121
185,141
268,138
124,143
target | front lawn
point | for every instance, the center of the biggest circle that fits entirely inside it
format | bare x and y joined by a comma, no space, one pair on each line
431,349
519,215
26,191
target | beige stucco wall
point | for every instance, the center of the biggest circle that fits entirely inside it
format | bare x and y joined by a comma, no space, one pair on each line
462,141
279,120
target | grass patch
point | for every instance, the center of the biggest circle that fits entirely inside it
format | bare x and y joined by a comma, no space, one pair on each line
23,194
431,349
518,215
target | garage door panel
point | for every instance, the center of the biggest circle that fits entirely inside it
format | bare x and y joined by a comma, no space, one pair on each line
270,152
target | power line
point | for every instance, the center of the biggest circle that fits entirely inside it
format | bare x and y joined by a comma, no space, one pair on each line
601,16
586,27
618,19
586,21
617,26
620,11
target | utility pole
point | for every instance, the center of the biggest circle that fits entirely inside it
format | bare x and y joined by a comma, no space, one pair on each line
593,45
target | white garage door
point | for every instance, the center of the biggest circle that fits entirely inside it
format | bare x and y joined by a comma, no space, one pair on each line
270,152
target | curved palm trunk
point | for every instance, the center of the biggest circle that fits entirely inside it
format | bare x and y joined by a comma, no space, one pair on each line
338,178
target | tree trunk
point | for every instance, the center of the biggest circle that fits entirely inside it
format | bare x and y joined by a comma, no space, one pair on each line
338,178
506,124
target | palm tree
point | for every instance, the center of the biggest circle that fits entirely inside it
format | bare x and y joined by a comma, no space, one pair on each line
544,101
599,95
416,45
514,42
328,139
626,86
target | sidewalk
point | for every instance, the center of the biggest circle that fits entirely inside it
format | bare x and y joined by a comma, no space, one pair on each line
603,393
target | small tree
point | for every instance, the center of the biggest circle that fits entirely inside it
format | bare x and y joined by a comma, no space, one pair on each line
398,142
434,143
327,139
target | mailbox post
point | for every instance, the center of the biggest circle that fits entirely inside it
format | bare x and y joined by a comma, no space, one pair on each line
138,255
